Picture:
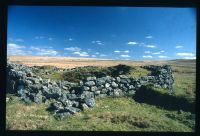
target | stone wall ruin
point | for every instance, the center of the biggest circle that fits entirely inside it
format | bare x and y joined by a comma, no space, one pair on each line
73,97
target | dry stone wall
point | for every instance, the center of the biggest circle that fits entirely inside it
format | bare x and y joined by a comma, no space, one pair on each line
74,97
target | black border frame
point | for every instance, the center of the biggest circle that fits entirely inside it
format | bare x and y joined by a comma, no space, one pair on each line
129,3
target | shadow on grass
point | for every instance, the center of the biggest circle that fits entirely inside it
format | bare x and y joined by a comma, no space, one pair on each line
166,101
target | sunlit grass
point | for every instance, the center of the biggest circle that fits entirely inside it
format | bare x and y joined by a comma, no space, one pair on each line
114,114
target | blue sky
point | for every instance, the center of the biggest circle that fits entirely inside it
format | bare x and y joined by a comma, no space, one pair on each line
131,33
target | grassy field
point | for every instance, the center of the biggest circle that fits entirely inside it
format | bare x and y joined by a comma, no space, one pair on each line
66,62
160,112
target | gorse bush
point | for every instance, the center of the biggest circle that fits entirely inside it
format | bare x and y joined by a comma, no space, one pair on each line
119,70
81,73
45,67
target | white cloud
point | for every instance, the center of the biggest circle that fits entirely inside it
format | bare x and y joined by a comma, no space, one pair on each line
97,53
14,49
43,47
19,40
77,52
147,52
125,56
156,53
147,56
126,51
93,56
70,39
117,51
49,52
151,46
189,57
34,48
132,43
18,52
50,38
149,37
13,46
178,47
82,54
162,57
44,51
98,42
185,54
72,49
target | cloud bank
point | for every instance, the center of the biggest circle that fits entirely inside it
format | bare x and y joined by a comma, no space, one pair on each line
132,43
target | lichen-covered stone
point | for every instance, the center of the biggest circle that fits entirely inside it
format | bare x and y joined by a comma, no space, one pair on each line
90,102
93,88
91,78
90,83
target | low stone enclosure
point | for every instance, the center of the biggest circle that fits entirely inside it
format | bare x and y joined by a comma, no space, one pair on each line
71,97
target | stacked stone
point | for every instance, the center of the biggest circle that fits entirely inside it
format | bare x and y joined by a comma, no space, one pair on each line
161,76
110,86
74,97
69,96
19,77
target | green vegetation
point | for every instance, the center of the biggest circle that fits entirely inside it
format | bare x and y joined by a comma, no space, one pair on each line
138,72
160,98
46,67
185,79
54,76
154,110
81,73
109,114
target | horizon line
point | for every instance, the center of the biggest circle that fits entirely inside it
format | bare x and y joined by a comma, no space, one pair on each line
94,58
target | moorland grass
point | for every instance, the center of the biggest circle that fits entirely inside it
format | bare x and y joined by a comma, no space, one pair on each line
120,113
109,114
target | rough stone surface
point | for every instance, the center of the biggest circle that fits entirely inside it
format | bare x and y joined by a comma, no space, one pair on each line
114,85
93,88
90,83
91,78
107,85
90,102
84,106
72,97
